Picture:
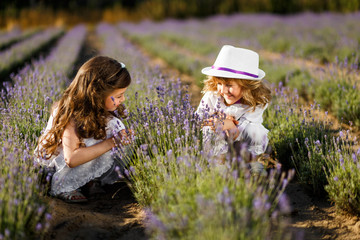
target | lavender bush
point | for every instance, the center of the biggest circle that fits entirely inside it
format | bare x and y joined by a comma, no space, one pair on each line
344,172
14,36
24,113
171,174
23,51
184,63
186,194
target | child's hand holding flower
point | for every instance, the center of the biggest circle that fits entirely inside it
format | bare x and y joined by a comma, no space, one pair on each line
123,137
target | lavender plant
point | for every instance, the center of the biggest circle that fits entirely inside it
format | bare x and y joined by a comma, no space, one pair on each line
23,51
294,129
344,172
341,98
14,36
172,176
200,201
24,113
170,173
23,213
184,63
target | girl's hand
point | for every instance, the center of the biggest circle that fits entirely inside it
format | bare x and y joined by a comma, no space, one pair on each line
215,121
212,122
230,129
228,124
232,119
124,138
131,133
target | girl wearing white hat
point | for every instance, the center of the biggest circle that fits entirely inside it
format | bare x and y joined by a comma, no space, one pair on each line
234,101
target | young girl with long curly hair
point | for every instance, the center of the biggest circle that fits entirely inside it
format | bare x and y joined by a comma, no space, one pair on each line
234,101
84,127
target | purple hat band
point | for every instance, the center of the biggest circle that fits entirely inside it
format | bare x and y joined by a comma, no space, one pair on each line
235,71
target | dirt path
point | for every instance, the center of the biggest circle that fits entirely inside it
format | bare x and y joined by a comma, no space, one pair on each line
107,217
315,218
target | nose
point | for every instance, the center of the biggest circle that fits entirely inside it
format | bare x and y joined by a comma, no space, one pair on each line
223,89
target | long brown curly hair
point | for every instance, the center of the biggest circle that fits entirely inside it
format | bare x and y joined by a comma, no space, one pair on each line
254,92
84,102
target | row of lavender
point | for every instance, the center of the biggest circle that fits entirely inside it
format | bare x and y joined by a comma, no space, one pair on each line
320,37
15,35
21,52
318,153
24,111
187,46
173,178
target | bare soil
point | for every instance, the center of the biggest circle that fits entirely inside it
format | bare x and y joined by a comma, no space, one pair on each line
113,215
117,215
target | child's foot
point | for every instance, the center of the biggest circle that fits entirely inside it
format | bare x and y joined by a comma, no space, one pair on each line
268,161
73,197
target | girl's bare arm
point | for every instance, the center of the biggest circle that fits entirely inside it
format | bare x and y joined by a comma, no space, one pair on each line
75,156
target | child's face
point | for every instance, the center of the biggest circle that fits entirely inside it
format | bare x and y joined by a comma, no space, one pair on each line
114,99
230,90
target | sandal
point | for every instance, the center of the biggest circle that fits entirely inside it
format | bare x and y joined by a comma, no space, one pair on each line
268,161
73,197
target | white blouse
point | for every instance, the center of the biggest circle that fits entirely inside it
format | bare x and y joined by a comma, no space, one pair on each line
250,121
67,179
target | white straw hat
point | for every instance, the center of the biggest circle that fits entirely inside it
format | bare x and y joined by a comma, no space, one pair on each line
233,62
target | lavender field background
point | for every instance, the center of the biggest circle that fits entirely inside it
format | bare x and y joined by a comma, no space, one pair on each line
312,65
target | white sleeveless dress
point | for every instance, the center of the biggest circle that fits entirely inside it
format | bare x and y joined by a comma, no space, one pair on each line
250,124
67,179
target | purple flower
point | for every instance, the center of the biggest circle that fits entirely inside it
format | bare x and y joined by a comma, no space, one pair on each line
353,155
48,216
284,204
38,227
144,147
285,183
257,203
336,179
341,160
341,134
198,168
40,210
235,174
153,222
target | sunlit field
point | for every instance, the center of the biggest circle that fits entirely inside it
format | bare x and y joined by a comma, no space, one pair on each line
312,67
